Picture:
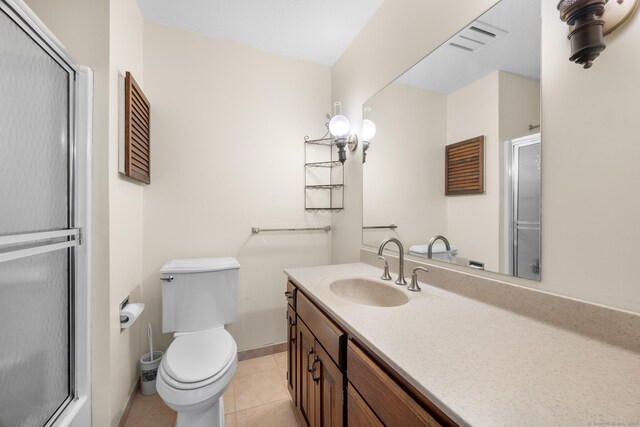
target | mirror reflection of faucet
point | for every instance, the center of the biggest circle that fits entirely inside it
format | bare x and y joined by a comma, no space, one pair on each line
441,251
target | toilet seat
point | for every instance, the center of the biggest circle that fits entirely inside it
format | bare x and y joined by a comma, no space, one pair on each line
198,359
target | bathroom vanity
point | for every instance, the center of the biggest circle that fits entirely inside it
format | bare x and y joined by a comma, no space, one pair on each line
363,351
335,380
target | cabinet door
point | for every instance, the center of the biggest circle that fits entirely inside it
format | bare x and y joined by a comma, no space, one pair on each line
292,353
305,396
329,390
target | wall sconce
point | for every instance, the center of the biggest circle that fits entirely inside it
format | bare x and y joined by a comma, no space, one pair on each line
368,132
587,31
339,127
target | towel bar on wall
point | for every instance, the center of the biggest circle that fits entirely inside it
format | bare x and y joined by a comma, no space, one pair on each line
377,227
256,230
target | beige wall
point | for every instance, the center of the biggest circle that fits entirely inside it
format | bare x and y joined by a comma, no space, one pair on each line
589,134
228,154
473,221
590,149
408,146
499,106
125,214
399,34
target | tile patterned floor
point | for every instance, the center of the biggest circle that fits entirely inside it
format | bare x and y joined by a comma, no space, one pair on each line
258,396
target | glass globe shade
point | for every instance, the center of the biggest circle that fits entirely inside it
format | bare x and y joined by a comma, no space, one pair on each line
368,130
339,126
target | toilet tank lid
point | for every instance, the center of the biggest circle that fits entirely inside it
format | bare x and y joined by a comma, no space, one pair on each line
200,265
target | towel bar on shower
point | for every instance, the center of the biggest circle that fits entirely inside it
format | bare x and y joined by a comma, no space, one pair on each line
256,230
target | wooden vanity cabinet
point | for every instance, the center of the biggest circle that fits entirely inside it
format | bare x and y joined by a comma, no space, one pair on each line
334,383
292,349
329,390
306,393
292,353
358,412
386,399
316,379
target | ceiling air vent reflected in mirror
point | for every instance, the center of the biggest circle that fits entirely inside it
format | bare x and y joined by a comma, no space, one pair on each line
476,36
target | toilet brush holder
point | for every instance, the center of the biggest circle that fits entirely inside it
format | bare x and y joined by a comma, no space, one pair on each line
149,371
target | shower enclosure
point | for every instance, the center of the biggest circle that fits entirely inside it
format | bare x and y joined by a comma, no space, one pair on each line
45,101
522,207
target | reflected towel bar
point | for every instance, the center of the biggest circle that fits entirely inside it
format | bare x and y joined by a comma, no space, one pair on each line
256,230
377,227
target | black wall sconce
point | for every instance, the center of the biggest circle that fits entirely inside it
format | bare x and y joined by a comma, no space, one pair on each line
590,21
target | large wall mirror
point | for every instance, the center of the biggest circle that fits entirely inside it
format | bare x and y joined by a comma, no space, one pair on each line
483,82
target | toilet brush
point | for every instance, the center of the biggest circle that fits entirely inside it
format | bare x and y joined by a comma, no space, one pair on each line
150,334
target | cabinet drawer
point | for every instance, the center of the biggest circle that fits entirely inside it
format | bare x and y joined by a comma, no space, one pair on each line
332,338
358,412
387,399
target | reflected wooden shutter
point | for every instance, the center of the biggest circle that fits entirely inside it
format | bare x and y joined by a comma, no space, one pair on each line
137,136
464,167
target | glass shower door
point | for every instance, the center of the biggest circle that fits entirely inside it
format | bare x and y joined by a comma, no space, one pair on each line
526,208
37,234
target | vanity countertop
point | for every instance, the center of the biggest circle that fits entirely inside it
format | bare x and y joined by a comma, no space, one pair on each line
484,365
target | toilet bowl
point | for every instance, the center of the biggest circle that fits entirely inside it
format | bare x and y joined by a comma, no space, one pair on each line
194,373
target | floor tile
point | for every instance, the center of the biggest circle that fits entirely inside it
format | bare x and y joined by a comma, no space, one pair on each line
258,396
150,411
275,414
258,389
230,420
253,366
229,399
281,360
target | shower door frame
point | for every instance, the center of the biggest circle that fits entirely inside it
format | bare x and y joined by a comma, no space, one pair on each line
76,409
510,197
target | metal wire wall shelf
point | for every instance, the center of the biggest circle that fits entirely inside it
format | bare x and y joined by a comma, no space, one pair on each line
323,176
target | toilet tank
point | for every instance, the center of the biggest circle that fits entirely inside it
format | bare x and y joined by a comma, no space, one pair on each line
199,293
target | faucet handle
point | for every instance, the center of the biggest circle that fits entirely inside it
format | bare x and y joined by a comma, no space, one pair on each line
385,275
414,279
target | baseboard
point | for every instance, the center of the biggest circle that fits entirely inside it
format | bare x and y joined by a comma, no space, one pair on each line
262,351
127,409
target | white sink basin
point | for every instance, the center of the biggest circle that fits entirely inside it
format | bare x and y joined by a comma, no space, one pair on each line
368,292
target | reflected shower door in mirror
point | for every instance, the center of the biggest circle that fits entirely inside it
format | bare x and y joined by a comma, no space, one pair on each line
484,81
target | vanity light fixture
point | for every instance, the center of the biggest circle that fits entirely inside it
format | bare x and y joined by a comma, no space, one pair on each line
339,127
368,132
586,36
590,21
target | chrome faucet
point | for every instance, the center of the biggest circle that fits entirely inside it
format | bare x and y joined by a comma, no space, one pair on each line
401,280
385,275
433,240
414,279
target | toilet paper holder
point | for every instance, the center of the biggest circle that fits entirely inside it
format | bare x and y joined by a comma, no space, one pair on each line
129,313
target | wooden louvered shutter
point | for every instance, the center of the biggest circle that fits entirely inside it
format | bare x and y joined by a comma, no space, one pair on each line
137,132
464,167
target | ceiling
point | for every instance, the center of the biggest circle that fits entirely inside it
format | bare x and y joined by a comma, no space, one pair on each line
312,30
515,49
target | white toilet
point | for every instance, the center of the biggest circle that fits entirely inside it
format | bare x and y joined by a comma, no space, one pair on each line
199,296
